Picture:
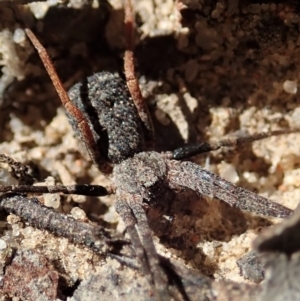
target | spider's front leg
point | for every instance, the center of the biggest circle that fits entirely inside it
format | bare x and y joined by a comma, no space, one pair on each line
33,212
188,174
37,215
129,207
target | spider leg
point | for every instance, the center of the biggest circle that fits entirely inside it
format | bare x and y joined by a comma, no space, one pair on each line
123,209
88,190
132,82
130,209
146,237
192,150
19,172
39,216
188,174
85,131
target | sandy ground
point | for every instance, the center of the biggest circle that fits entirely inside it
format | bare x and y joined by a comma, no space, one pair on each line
206,69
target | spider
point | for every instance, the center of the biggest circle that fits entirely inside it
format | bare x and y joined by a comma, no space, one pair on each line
113,121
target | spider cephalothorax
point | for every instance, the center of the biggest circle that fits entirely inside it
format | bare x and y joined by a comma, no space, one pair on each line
144,174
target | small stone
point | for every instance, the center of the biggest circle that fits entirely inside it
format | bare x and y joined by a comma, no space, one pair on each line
39,9
19,36
15,230
78,213
290,86
295,118
3,244
52,200
228,172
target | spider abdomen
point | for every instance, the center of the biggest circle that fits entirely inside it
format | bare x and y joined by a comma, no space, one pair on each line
105,102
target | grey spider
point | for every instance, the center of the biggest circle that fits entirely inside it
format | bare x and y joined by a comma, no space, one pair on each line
115,125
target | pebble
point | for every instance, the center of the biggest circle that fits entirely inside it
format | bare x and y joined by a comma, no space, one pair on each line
19,36
3,244
290,86
78,213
